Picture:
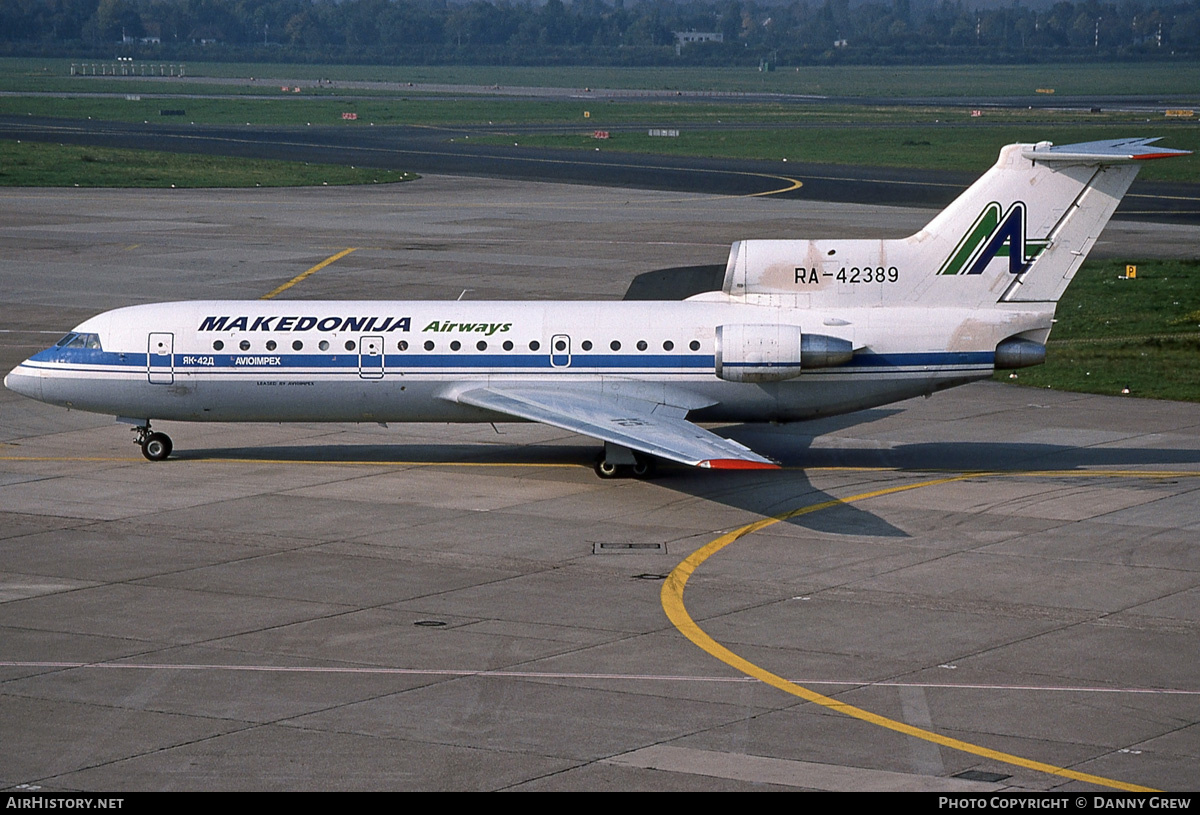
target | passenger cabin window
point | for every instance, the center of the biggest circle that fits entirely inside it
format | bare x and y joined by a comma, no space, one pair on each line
297,345
271,345
694,345
323,345
244,345
218,345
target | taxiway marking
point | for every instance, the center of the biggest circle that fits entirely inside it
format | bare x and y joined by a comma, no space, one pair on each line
672,603
469,672
302,276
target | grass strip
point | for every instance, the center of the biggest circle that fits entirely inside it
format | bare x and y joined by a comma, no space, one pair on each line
33,164
1115,334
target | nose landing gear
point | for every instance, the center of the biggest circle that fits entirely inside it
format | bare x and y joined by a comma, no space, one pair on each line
155,446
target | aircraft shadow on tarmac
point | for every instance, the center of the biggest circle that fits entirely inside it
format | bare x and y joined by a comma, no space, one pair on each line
766,493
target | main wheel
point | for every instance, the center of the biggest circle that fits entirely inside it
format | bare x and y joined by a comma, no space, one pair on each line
157,447
606,469
645,467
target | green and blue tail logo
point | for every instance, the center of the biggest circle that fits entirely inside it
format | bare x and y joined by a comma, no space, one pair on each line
995,235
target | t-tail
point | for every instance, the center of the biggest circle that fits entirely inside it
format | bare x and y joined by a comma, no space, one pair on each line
1017,235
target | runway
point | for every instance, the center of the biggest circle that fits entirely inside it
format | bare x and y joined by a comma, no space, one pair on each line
1002,580
448,150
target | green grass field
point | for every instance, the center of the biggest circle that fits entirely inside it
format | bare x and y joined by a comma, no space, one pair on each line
30,164
1112,333
274,107
973,81
922,137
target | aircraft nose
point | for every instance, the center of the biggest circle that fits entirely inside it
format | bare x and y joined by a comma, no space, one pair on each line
20,380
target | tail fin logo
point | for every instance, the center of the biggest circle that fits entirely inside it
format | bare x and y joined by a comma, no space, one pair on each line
995,235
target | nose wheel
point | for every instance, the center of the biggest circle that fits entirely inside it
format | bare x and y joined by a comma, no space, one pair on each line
155,446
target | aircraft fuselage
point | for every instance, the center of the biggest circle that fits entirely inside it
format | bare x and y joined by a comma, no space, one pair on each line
799,329
377,361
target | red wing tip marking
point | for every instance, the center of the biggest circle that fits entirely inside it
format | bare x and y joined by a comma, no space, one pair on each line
1148,156
736,464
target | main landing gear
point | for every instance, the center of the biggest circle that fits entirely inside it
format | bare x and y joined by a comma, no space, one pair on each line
621,462
155,446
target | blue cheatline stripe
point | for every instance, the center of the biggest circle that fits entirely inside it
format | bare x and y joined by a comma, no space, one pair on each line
85,356
861,359
88,359
395,375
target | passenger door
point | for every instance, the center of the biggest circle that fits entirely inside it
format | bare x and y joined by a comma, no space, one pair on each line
160,359
370,357
560,351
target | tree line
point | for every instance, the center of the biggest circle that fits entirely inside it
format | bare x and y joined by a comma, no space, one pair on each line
617,32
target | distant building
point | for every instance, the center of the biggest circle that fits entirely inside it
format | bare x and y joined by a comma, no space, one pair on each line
685,37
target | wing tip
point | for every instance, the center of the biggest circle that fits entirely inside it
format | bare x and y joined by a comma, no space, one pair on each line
1161,154
736,464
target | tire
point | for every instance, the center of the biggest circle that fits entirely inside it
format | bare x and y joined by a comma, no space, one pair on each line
157,447
645,468
606,470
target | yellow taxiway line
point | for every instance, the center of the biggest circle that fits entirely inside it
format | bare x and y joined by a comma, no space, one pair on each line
313,270
672,602
676,583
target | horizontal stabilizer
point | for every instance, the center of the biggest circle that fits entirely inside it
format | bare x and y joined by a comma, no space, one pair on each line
1110,151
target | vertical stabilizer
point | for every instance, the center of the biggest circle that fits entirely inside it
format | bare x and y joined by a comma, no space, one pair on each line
1018,234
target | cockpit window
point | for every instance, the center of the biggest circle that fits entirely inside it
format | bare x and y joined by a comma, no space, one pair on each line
77,340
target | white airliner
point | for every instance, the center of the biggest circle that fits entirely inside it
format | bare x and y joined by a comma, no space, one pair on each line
799,329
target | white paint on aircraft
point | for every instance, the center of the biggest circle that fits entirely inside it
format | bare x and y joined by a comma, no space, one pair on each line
800,329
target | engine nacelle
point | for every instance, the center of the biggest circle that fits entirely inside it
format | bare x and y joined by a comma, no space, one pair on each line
773,353
1016,352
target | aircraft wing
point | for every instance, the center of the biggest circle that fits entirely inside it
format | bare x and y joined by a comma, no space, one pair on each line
642,425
